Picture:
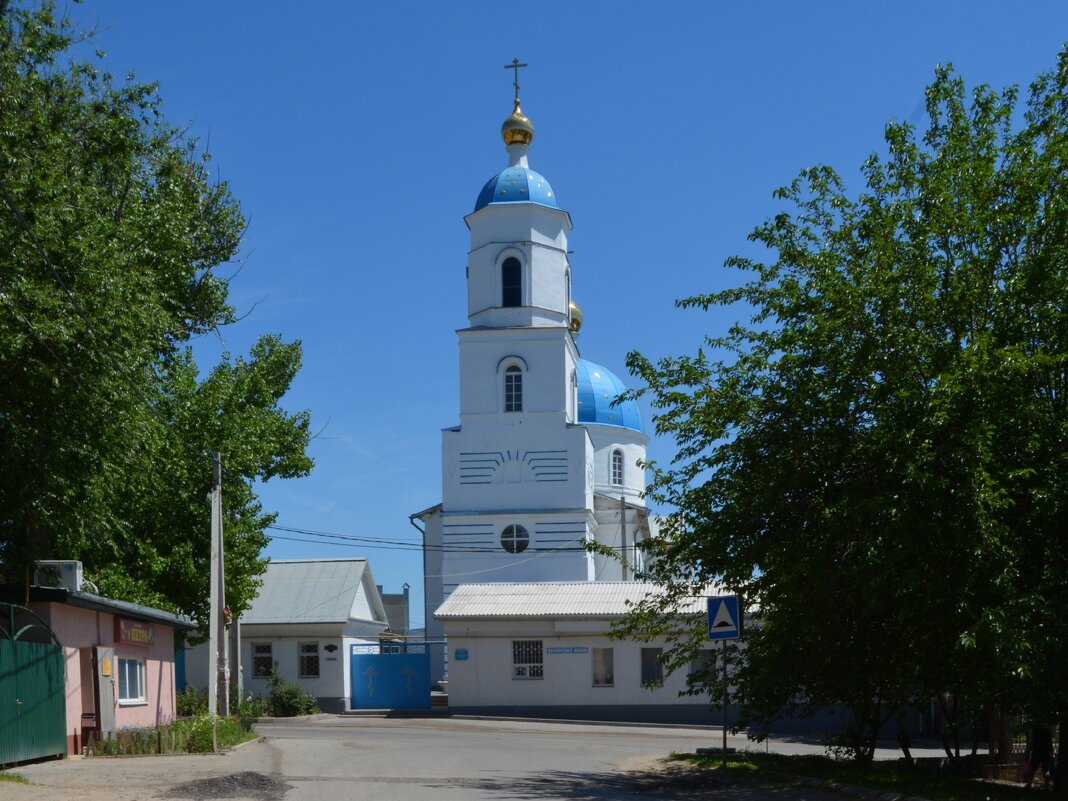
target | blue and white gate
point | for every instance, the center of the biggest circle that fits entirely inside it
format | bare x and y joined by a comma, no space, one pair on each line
389,680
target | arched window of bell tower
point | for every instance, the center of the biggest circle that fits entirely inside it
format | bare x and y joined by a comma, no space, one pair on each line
567,295
513,389
572,399
510,370
617,468
511,282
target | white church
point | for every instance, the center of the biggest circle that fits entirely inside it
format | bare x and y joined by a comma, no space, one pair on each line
543,462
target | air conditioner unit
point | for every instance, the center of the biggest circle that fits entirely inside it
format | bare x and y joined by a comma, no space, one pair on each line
58,573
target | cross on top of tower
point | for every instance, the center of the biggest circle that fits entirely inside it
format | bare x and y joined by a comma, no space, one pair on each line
516,66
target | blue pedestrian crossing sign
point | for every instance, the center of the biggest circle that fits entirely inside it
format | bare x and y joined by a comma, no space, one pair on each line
724,618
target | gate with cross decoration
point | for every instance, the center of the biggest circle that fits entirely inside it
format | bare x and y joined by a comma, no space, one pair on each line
389,680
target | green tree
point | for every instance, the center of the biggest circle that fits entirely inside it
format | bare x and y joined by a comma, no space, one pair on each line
877,459
112,236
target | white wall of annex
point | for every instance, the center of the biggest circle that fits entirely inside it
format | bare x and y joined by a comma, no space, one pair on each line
485,677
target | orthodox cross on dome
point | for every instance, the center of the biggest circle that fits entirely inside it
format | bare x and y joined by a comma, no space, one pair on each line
516,66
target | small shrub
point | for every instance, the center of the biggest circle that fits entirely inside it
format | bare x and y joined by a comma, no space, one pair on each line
251,708
195,733
288,699
191,702
230,732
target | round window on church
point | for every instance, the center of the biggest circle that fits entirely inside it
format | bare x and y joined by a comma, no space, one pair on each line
515,539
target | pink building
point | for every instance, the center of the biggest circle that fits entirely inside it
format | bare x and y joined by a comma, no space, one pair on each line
119,661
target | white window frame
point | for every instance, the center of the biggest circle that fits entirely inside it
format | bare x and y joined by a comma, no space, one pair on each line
302,653
503,367
517,536
513,388
616,463
256,674
572,398
704,662
656,667
602,666
124,664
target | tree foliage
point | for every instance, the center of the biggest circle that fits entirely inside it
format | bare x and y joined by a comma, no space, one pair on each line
112,236
878,459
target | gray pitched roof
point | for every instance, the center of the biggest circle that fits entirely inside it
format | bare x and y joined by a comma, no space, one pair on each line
316,591
552,599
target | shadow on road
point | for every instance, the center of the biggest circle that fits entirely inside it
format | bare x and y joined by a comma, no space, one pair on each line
666,781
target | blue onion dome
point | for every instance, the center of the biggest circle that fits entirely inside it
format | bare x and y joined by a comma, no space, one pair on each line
517,184
597,388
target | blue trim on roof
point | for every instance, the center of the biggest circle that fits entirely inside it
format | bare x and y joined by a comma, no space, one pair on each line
597,388
517,185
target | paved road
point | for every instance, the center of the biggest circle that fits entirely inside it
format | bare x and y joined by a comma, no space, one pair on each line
412,760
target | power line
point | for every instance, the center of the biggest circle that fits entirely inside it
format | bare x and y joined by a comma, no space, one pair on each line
403,544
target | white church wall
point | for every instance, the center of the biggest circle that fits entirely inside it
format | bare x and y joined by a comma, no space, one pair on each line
537,237
610,533
545,356
606,440
529,463
555,551
518,222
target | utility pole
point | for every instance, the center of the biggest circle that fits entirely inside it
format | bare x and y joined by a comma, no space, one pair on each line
239,684
216,600
623,535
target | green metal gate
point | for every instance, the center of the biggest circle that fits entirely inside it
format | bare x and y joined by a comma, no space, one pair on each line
33,703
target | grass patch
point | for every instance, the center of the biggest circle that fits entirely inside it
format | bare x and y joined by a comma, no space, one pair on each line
183,736
887,776
14,778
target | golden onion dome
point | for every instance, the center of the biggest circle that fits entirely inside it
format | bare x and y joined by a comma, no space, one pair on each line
517,128
576,317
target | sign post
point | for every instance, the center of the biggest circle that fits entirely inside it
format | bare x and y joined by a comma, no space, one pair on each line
724,623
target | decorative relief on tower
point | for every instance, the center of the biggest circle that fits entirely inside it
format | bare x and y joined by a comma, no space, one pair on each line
555,535
513,467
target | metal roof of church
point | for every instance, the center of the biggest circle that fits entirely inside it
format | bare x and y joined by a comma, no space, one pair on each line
517,184
552,599
598,387
316,591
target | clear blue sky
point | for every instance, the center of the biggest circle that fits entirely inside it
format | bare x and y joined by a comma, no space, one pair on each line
357,135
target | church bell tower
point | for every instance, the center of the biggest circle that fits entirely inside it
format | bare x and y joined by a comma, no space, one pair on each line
543,461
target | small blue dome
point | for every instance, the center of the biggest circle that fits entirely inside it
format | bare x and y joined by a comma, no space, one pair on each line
516,185
597,388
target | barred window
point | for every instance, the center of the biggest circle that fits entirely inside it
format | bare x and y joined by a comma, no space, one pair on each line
526,659
309,660
262,660
617,468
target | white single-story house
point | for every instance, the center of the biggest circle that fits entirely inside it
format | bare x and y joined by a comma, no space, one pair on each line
543,649
306,618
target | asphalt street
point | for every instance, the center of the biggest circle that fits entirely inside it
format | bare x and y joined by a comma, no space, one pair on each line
446,759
